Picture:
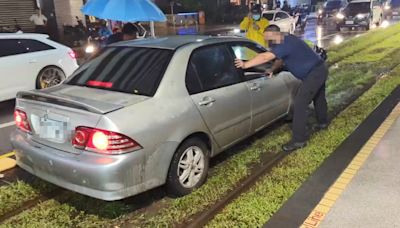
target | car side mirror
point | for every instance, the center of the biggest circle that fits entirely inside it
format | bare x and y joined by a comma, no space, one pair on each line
277,18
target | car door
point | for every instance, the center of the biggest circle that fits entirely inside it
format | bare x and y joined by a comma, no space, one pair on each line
270,97
13,70
220,95
39,56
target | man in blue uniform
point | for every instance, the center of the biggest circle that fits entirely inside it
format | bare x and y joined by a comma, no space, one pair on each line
304,64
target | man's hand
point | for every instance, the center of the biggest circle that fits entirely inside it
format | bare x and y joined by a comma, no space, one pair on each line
239,63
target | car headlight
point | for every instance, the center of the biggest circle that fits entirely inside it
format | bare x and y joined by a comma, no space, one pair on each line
90,49
387,7
340,16
360,16
320,11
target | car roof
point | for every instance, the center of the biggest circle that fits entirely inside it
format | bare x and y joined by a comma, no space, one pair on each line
175,42
272,11
23,36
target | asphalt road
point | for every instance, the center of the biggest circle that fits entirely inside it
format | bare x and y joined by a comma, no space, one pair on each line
324,36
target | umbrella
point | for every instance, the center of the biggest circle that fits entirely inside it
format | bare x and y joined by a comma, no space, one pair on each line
124,10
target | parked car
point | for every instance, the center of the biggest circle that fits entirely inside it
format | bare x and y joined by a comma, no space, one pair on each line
391,8
282,19
146,113
360,13
330,9
32,61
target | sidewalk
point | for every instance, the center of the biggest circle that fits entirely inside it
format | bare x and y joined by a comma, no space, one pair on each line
372,197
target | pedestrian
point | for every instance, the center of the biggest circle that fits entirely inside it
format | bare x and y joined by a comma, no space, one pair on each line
40,22
286,7
129,32
254,25
304,64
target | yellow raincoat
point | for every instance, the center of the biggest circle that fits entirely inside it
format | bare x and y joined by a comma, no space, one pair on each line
253,33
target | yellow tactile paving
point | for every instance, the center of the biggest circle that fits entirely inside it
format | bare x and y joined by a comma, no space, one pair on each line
321,210
6,162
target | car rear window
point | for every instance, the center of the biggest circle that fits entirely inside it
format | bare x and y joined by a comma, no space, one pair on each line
124,69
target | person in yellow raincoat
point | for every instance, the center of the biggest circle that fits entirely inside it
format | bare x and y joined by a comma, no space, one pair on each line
254,25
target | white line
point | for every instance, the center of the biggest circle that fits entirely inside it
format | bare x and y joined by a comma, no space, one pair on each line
7,124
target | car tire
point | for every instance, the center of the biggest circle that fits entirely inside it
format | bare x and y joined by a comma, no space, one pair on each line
182,178
49,76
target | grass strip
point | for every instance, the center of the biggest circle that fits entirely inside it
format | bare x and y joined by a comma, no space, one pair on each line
256,206
12,196
352,46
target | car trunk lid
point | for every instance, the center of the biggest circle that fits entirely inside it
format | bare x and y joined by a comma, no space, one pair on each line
55,113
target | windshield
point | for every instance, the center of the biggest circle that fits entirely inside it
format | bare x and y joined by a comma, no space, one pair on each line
333,4
269,16
124,69
360,7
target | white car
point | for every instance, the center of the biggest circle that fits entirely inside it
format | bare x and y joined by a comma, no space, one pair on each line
282,19
32,61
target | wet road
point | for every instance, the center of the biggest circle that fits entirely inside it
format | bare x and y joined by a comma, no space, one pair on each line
324,36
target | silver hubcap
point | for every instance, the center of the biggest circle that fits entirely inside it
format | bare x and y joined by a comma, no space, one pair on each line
191,167
51,77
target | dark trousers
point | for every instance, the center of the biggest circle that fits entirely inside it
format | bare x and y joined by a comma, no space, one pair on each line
40,29
311,89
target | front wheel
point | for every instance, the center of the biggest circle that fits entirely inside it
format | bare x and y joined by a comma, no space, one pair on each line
189,167
49,76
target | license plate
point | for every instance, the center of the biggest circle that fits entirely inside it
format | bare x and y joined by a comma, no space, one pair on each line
395,13
52,129
349,22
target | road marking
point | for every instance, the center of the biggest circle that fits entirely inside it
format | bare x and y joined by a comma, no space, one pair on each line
320,211
7,124
7,155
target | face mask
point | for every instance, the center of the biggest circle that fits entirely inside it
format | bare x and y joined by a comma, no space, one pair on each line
256,17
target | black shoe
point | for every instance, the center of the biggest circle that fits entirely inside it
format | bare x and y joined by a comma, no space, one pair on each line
292,146
319,127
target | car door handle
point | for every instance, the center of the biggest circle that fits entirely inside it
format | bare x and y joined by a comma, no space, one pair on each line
206,101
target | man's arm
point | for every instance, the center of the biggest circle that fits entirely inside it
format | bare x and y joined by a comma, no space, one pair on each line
278,64
258,60
244,25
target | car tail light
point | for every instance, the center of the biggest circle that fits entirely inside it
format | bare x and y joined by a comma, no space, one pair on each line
21,120
72,54
102,141
99,84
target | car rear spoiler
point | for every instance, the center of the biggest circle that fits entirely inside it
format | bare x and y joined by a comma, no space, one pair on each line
95,107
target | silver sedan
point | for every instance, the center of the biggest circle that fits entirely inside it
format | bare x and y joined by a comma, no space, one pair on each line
147,113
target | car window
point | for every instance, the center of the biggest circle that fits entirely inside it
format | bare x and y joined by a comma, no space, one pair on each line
360,7
247,51
268,16
35,45
10,47
213,67
131,70
281,15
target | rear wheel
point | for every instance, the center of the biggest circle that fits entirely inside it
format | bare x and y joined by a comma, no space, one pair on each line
49,76
189,167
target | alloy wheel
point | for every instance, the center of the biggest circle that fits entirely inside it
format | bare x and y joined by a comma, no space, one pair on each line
191,166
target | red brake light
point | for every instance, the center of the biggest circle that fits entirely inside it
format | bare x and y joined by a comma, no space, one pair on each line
21,120
99,84
72,54
101,141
